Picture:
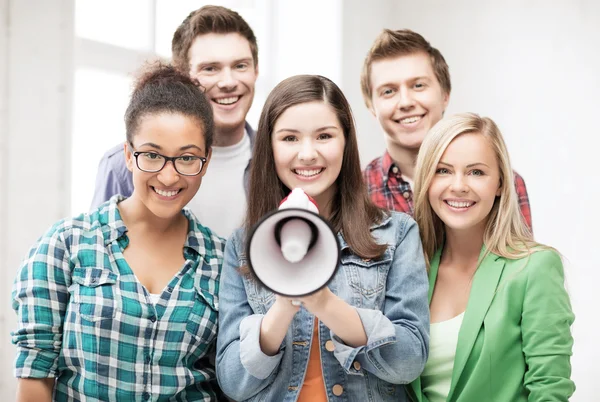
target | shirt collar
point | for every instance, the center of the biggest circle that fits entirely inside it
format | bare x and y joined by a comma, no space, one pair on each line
114,228
387,164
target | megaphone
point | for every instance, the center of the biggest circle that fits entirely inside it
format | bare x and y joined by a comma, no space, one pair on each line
293,251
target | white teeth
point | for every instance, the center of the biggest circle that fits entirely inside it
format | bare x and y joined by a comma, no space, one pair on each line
460,204
410,119
308,173
166,193
227,101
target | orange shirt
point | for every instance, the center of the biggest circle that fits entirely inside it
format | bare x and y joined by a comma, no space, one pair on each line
313,389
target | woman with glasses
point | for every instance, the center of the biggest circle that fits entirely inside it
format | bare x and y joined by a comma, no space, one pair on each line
121,304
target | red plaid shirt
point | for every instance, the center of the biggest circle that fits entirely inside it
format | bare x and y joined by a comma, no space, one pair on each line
389,191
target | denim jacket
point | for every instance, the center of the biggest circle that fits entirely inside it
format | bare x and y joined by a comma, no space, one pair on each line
390,296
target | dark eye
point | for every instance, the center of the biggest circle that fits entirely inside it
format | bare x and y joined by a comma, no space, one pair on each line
442,171
290,138
209,69
387,91
324,136
188,158
151,155
419,85
242,66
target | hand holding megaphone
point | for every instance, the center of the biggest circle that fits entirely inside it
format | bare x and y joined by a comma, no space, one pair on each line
293,251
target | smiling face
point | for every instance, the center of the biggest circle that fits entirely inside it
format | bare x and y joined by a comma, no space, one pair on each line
166,192
223,65
407,98
466,184
308,147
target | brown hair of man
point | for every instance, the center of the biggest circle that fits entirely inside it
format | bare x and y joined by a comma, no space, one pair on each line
206,20
352,212
392,44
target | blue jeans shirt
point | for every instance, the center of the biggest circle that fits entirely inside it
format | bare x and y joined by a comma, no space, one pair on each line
390,296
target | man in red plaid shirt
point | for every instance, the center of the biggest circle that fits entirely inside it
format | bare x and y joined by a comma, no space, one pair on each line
406,85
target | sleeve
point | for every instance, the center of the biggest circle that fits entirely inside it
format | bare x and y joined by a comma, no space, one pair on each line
243,370
40,298
523,198
545,327
108,182
397,337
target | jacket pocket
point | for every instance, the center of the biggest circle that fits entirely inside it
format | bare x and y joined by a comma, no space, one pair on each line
93,293
366,278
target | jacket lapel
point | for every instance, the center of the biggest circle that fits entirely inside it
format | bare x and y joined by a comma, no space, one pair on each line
482,293
433,271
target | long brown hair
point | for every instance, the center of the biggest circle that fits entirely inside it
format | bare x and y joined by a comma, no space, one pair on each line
352,212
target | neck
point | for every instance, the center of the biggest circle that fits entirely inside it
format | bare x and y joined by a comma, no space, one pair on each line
227,136
404,158
138,218
325,201
462,247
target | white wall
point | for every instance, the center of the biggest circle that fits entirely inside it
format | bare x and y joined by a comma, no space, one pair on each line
533,67
36,40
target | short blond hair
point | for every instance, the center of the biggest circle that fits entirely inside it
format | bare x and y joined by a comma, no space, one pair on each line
391,44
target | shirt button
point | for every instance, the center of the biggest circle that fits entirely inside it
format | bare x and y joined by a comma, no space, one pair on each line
395,169
406,195
146,396
329,346
153,319
356,366
94,280
170,289
337,390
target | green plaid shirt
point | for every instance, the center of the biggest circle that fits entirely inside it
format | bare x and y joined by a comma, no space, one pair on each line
85,319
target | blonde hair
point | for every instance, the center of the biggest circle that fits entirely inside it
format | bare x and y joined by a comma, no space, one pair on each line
506,233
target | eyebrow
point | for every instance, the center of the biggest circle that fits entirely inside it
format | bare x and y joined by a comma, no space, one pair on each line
218,63
291,130
183,148
468,166
412,79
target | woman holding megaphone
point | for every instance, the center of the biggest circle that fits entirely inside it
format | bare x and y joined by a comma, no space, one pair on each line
364,330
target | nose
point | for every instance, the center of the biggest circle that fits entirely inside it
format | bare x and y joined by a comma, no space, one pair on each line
227,80
308,152
168,175
405,99
459,184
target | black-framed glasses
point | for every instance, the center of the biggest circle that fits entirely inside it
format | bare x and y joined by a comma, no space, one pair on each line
186,165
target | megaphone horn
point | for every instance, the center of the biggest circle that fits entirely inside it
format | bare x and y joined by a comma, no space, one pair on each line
293,252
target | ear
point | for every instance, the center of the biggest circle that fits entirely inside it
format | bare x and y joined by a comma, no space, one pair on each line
208,155
129,158
446,99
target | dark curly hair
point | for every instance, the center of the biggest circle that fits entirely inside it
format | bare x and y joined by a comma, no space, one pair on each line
163,88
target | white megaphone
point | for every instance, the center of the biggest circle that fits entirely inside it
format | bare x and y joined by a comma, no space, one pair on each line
293,251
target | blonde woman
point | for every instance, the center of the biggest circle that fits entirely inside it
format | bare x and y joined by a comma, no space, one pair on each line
500,315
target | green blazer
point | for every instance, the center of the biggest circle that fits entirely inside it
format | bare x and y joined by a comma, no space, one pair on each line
515,341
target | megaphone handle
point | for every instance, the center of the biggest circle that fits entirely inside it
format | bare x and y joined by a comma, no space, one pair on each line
296,303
